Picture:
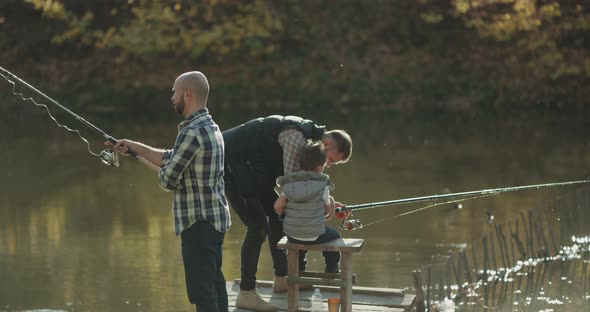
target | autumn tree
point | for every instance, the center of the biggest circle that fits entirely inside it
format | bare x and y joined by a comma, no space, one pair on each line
148,28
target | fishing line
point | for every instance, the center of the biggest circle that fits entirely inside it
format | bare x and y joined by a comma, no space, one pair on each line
427,207
21,95
107,156
460,194
345,212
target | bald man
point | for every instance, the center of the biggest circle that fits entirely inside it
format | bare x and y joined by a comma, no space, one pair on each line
193,171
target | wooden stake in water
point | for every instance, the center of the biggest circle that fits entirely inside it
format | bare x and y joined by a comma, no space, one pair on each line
417,274
493,252
474,262
504,263
550,227
465,266
428,287
511,243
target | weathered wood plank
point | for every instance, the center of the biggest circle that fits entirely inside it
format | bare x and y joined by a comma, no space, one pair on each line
341,244
325,275
369,299
314,281
377,291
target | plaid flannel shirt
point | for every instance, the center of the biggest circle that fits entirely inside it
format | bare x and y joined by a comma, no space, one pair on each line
292,141
193,170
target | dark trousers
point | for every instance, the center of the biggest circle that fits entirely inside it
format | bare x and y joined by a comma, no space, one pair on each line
257,213
332,258
202,257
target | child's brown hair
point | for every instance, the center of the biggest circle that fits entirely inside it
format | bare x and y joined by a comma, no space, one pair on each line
312,156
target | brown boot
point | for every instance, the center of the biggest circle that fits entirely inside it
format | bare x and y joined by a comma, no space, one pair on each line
250,300
279,284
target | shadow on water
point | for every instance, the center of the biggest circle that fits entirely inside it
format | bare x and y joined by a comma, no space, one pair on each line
76,235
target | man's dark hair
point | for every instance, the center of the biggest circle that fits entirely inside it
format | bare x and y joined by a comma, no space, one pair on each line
343,141
312,156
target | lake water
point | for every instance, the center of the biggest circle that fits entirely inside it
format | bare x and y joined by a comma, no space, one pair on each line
76,235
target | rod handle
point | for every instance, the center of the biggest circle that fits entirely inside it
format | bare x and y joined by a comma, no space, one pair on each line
129,151
134,154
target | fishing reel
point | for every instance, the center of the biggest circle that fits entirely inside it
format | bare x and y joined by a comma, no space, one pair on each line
351,225
109,157
348,224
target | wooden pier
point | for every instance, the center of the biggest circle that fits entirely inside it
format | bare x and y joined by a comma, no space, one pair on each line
363,298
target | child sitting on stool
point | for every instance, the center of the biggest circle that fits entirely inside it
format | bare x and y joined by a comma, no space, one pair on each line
306,205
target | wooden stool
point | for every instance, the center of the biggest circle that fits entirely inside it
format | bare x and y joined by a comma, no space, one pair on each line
346,246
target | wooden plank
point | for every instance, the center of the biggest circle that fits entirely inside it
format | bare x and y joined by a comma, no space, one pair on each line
314,281
341,244
361,303
325,275
377,291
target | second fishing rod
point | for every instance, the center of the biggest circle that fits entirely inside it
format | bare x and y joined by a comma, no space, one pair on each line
456,195
344,213
108,157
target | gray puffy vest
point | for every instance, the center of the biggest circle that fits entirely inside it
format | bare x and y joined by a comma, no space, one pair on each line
304,212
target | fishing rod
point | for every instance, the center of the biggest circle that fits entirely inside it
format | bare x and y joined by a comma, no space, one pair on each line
345,211
107,156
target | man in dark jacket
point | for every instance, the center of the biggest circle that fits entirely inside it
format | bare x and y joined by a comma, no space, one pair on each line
257,153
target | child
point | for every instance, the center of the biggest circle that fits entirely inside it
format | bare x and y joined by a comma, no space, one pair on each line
306,204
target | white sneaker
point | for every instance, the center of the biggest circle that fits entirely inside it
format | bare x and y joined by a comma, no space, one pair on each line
250,300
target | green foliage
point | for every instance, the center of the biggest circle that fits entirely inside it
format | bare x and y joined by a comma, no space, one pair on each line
539,31
148,28
456,55
51,9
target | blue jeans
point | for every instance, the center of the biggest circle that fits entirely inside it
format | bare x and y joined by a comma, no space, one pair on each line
202,257
332,258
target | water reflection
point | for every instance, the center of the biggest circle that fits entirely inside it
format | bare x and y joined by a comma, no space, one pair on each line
76,235
543,264
536,284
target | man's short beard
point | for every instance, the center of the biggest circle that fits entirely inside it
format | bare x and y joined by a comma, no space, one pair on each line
179,108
